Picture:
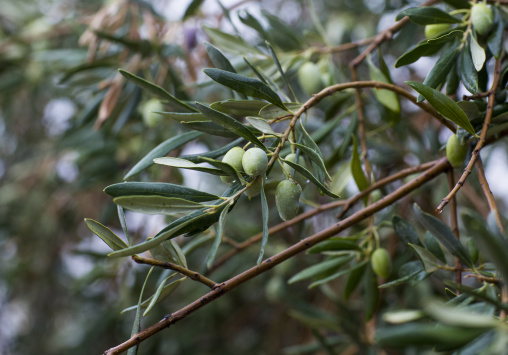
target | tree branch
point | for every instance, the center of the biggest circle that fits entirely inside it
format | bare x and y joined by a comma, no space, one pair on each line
221,289
488,194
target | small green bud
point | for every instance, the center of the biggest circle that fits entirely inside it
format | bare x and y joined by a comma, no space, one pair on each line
432,31
455,152
381,263
310,78
255,162
286,198
234,158
482,18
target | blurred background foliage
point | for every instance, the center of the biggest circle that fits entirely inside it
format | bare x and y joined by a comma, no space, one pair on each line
71,125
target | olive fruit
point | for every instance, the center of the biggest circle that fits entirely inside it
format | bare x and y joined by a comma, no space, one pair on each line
150,118
300,179
432,31
455,152
381,263
234,158
287,195
255,162
309,76
254,189
482,18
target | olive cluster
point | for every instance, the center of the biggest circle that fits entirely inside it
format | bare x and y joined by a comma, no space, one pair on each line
254,162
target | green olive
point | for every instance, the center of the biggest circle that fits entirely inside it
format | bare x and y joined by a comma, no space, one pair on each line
255,162
310,78
150,118
234,158
254,189
482,18
300,179
381,263
455,152
286,198
432,31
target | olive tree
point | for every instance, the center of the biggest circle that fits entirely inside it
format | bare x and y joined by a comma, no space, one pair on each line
318,157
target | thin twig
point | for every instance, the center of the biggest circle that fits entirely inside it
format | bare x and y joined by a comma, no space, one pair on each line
488,194
223,288
455,226
482,278
182,270
481,141
347,204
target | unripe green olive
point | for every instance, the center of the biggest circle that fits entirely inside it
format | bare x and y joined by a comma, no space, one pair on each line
254,189
150,118
455,152
432,31
310,78
286,198
255,162
234,158
482,18
300,179
381,263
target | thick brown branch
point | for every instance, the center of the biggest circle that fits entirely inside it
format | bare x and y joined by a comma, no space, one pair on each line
221,289
347,204
182,270
481,141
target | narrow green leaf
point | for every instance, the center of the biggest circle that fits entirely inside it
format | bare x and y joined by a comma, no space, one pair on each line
282,34
184,117
427,15
477,54
338,274
281,72
230,43
405,231
123,222
333,244
163,291
218,237
315,157
353,280
161,150
424,334
157,91
218,58
158,189
245,85
197,158
341,178
192,9
429,261
444,234
239,107
433,246
356,169
271,112
446,37
495,247
311,177
320,268
157,204
422,49
186,164
444,105
265,215
261,125
230,124
136,327
495,40
103,232
371,292
225,167
468,73
460,317
309,142
440,70
249,20
211,128
387,98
